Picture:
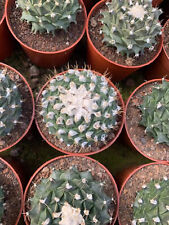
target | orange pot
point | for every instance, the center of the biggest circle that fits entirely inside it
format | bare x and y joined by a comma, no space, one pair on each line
100,63
156,3
40,58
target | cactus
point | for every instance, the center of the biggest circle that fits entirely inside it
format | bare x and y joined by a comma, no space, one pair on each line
155,112
130,26
80,108
49,15
151,204
10,104
69,197
1,203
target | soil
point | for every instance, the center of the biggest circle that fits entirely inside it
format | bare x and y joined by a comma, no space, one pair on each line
134,184
12,195
144,142
110,52
75,148
2,6
82,164
27,110
166,38
45,42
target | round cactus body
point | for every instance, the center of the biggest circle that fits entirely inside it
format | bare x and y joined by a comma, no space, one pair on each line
10,104
49,15
130,26
80,108
69,197
1,203
155,112
151,205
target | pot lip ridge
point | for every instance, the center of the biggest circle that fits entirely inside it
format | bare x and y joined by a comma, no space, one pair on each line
108,60
163,36
33,106
20,185
45,52
105,146
125,118
3,17
66,156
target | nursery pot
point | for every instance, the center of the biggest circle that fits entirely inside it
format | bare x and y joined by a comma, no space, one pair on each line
82,163
13,193
45,58
135,134
133,182
86,153
26,108
102,64
156,3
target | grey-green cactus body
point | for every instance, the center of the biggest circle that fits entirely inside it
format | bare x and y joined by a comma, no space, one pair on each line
130,26
1,203
49,15
151,205
10,104
69,197
80,108
155,112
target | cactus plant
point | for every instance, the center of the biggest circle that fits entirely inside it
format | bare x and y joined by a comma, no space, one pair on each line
130,26
69,197
10,103
80,108
154,111
151,204
1,203
49,15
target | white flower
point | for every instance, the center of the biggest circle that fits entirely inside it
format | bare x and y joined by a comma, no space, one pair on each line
52,14
140,201
134,222
137,11
68,186
89,196
84,180
148,40
56,199
159,105
141,220
167,207
157,186
147,28
156,219
77,196
95,220
104,202
130,46
165,178
113,29
154,202
69,17
1,110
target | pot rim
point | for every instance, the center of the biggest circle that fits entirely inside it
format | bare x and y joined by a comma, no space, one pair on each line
167,22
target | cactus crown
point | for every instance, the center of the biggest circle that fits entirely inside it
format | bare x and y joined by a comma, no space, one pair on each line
151,205
80,108
1,203
130,25
49,15
69,197
155,112
10,104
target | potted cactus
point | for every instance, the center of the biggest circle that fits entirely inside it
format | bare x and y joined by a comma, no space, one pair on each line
146,119
144,196
79,111
71,190
48,31
16,107
11,195
123,36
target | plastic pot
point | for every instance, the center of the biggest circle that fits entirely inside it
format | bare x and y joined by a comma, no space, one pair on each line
128,139
41,58
87,153
12,172
100,63
156,3
76,163
33,107
129,176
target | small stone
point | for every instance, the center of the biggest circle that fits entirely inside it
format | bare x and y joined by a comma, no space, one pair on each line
2,143
34,71
93,22
143,140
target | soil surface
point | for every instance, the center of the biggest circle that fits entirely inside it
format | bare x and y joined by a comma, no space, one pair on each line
45,42
2,6
143,141
82,164
12,194
110,52
134,184
74,148
27,110
166,38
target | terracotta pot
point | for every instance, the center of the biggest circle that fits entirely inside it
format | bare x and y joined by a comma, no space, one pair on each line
6,40
40,58
156,3
128,138
33,107
9,167
88,153
129,175
116,198
160,67
100,63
